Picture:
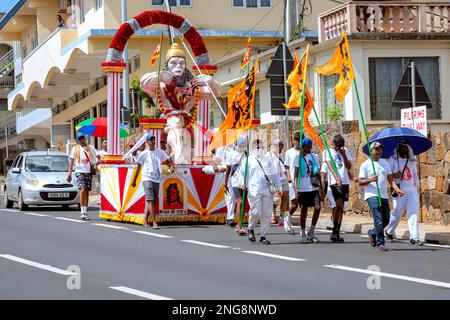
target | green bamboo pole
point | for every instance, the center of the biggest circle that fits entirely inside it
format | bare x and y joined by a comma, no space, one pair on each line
159,71
367,139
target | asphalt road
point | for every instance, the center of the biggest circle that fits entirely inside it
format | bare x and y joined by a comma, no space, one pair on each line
116,261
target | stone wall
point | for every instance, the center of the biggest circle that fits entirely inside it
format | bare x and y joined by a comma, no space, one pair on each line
434,170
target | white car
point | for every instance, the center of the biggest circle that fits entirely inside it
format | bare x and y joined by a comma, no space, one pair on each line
40,178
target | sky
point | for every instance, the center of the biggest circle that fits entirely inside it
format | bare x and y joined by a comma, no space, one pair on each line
5,5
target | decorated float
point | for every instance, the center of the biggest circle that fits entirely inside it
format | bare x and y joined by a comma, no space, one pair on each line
187,194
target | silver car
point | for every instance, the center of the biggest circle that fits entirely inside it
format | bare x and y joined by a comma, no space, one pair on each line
40,178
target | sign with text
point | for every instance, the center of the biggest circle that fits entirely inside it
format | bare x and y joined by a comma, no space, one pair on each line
415,118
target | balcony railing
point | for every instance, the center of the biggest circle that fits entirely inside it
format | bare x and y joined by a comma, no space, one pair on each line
384,17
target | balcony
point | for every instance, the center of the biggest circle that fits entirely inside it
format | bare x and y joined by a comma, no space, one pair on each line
384,17
33,121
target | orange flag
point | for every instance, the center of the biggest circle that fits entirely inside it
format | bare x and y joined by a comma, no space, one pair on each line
246,59
340,63
60,144
155,55
241,101
296,79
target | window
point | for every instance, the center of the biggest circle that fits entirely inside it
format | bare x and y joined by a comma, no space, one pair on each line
24,52
385,75
173,3
82,11
327,98
257,109
98,4
137,62
252,3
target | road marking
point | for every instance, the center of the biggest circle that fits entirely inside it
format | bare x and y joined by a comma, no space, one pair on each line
276,256
108,226
391,275
67,219
206,244
37,265
139,293
10,210
36,214
153,234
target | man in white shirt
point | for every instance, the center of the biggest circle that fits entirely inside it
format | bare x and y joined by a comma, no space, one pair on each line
339,181
236,160
151,163
84,157
309,188
289,159
103,151
368,178
262,183
404,171
230,199
275,155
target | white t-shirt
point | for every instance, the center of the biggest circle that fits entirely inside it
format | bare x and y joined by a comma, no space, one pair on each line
340,165
257,173
313,165
237,160
84,165
383,170
151,164
410,179
102,153
289,159
278,165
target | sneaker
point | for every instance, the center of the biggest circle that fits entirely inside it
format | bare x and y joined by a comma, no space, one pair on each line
287,225
274,220
251,236
263,240
340,239
305,240
334,237
82,217
416,242
281,223
382,248
371,239
312,238
389,237
86,217
231,223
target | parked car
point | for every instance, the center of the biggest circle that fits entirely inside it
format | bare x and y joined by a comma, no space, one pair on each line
40,178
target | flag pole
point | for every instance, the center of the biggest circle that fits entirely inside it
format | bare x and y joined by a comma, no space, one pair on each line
367,140
159,71
244,193
301,135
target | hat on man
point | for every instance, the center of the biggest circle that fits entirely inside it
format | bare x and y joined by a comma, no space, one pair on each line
306,141
150,137
375,144
80,136
241,140
277,142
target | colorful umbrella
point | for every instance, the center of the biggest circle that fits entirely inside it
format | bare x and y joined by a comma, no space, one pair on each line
98,127
390,137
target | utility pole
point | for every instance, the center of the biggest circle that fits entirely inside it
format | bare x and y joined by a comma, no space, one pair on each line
6,141
286,40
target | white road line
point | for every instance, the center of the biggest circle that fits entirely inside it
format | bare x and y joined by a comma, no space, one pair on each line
139,293
9,210
67,219
37,265
36,214
109,226
153,234
391,275
206,244
276,256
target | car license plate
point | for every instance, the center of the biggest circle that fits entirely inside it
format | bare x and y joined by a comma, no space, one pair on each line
58,195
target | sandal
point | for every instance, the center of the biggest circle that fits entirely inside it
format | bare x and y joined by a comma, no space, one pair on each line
156,227
242,232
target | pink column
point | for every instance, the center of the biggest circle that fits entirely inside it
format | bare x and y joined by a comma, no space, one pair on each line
201,138
113,71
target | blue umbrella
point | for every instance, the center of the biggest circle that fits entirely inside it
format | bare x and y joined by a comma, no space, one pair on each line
390,137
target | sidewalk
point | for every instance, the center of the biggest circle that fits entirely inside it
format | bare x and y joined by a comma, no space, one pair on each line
431,233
